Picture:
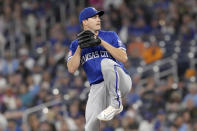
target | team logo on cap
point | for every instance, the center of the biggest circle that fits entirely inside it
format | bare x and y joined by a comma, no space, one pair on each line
94,8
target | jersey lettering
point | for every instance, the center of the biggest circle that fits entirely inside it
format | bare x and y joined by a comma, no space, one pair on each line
104,53
95,54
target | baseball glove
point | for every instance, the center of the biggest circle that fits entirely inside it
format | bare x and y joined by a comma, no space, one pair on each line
87,39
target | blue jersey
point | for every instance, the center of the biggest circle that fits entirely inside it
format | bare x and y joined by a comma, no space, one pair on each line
91,57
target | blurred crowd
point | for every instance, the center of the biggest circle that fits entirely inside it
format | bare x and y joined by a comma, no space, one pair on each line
34,41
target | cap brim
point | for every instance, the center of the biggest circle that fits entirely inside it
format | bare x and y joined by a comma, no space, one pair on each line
100,13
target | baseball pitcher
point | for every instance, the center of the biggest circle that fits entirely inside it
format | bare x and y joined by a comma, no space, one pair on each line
102,54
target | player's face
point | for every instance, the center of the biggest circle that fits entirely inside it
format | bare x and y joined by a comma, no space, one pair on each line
94,23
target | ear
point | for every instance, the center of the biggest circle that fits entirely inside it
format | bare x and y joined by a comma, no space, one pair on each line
85,22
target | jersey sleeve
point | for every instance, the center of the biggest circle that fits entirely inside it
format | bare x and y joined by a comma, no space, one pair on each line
117,42
72,49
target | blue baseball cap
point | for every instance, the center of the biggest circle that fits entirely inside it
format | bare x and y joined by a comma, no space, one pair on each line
89,12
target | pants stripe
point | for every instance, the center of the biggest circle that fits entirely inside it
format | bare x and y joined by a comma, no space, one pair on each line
118,97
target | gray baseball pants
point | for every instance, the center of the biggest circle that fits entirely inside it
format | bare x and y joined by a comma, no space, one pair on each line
116,84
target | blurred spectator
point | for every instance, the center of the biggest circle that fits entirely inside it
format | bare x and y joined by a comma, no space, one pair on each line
63,126
59,53
3,42
136,51
42,96
152,53
12,126
9,99
46,126
27,95
78,85
139,28
191,108
73,110
147,123
115,18
33,122
192,94
73,28
3,122
10,64
123,33
189,73
130,120
194,125
3,82
160,123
